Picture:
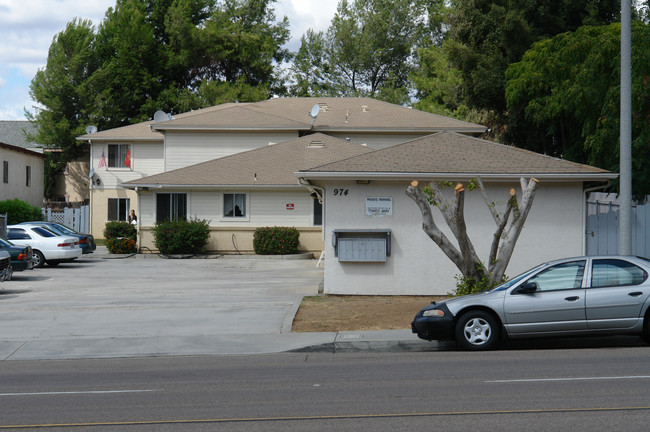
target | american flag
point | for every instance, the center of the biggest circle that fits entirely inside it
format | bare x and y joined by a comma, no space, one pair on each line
102,160
127,160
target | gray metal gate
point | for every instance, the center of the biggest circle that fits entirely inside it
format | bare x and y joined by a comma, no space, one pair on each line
603,230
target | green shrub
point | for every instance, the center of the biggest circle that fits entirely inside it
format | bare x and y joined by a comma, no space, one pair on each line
276,240
119,229
20,211
182,237
465,286
121,245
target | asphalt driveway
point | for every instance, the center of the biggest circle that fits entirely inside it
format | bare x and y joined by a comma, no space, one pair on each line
151,306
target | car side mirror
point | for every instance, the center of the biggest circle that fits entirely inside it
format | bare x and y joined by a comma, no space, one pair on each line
527,288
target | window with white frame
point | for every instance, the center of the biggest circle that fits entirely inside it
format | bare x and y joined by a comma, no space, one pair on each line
171,207
118,209
234,205
119,156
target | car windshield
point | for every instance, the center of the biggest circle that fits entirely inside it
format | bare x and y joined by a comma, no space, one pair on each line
5,242
514,280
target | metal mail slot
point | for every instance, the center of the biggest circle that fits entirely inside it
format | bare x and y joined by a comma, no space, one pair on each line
361,245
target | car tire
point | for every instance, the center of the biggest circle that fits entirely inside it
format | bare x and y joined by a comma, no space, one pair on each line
39,259
477,331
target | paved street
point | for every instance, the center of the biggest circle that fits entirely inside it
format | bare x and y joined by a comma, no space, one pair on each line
592,389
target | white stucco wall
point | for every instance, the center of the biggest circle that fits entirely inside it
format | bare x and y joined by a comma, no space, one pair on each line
554,229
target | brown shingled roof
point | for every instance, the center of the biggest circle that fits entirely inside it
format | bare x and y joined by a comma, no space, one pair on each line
335,114
266,166
343,114
453,153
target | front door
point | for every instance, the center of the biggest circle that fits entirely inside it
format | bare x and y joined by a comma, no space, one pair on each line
558,304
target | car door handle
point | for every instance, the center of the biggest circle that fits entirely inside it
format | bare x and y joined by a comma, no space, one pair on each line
573,298
635,293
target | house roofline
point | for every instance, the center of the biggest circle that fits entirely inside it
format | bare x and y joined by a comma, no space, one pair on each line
353,175
155,186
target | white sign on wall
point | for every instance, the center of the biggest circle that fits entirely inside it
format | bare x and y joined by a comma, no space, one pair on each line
379,206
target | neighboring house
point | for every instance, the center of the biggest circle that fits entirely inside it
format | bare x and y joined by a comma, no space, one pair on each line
72,185
124,155
374,238
241,192
22,174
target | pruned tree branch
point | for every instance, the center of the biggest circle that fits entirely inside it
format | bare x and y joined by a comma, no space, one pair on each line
464,256
430,227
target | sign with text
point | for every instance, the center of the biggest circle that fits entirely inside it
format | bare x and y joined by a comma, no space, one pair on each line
290,206
379,206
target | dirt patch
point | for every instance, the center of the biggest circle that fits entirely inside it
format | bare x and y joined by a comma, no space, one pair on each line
333,313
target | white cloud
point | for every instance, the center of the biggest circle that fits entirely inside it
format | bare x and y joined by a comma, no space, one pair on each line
27,28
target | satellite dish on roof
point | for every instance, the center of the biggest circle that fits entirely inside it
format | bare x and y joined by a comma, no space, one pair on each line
314,111
160,116
91,129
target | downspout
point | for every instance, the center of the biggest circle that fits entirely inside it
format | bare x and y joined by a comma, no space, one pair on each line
584,212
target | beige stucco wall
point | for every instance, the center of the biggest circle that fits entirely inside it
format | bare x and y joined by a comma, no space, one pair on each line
554,229
18,160
99,206
235,240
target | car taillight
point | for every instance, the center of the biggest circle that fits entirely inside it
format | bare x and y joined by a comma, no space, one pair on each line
65,244
22,257
83,241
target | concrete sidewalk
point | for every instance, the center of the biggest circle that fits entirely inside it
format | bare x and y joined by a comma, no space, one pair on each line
133,306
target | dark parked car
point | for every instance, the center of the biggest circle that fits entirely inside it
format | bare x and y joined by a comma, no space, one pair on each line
5,266
21,256
570,297
86,241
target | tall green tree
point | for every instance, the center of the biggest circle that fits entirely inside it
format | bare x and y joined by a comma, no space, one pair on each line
62,94
564,98
485,36
147,55
367,50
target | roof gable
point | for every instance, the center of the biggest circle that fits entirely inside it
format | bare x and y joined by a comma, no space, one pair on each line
453,154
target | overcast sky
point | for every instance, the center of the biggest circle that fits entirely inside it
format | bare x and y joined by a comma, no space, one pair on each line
28,26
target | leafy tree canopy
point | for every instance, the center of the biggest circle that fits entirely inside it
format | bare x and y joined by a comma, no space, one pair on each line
148,55
367,50
564,98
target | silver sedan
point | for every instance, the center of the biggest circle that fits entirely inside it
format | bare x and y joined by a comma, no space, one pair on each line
595,295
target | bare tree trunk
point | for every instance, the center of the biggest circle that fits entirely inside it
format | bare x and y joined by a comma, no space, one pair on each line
513,231
505,237
431,229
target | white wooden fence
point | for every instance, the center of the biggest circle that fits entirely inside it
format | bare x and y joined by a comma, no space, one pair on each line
77,218
602,228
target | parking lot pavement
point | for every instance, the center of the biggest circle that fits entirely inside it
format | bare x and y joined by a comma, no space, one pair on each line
96,307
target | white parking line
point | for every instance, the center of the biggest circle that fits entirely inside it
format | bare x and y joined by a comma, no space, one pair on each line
570,379
75,392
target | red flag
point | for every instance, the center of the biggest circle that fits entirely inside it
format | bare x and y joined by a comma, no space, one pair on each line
127,160
102,160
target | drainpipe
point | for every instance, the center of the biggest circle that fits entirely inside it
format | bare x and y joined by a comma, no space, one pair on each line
584,212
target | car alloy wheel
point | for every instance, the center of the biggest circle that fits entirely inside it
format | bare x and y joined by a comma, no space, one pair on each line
39,259
477,330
